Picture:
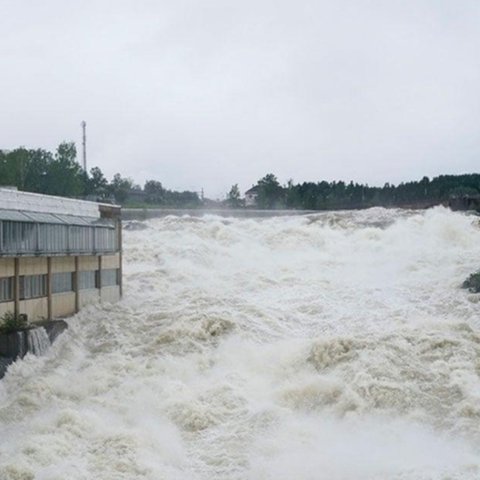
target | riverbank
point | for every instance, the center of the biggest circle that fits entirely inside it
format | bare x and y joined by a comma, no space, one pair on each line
146,213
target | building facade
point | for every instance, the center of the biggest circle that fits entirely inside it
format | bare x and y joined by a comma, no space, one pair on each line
251,197
57,254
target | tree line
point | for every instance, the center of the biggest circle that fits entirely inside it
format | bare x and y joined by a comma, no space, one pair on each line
340,195
59,173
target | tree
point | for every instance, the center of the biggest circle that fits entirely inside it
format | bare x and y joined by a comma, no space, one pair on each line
182,199
120,187
64,176
424,183
37,168
97,184
270,192
155,193
233,197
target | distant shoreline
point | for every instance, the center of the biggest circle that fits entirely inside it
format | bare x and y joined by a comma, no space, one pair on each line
146,213
139,213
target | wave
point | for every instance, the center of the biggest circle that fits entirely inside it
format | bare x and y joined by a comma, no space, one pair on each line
335,345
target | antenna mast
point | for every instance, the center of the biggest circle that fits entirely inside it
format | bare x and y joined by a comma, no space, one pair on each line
84,144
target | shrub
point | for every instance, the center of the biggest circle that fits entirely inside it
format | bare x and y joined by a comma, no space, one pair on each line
11,323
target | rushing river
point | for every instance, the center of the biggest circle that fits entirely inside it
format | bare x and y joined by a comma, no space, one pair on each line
330,346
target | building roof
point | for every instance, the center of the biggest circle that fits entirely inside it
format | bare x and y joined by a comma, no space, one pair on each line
14,200
52,218
252,190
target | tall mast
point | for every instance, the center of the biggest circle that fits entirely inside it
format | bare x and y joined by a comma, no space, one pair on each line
84,144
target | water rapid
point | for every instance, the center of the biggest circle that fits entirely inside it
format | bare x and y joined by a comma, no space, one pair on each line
38,341
329,346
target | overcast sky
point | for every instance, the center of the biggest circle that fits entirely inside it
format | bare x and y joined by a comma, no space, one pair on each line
209,93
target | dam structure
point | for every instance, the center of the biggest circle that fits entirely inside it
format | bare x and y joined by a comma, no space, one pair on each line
57,254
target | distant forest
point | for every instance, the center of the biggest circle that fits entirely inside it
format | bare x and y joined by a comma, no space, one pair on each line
59,173
340,195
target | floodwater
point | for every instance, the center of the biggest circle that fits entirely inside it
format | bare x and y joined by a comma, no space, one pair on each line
328,346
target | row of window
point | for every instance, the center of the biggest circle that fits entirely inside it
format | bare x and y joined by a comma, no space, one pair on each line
35,286
25,237
31,286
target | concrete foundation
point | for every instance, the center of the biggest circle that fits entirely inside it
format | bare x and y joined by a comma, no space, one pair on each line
16,345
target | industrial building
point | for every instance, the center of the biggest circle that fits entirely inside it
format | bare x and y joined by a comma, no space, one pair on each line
57,254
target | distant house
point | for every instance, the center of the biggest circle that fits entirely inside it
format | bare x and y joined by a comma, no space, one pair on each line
251,197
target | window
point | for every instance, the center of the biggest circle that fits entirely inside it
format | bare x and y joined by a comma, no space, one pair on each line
33,286
6,289
110,277
52,238
88,280
105,239
62,282
19,237
80,239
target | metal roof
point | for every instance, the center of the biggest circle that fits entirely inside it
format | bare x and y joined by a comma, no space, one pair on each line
75,220
13,215
50,218
35,202
42,217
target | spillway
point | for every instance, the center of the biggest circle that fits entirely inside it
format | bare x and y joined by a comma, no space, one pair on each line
327,346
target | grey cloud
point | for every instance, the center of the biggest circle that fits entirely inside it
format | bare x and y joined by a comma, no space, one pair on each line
206,94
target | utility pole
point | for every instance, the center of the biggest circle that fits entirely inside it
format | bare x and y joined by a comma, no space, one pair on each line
84,145
84,156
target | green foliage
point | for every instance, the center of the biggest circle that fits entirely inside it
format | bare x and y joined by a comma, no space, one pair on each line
233,197
40,171
26,169
472,283
270,193
184,199
60,174
339,195
65,176
97,184
120,187
154,192
10,322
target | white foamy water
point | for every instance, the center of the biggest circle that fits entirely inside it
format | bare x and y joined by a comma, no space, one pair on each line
38,341
334,346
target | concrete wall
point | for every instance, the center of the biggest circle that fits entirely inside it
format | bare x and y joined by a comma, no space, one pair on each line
63,264
63,304
6,307
87,263
7,267
110,261
33,265
35,308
